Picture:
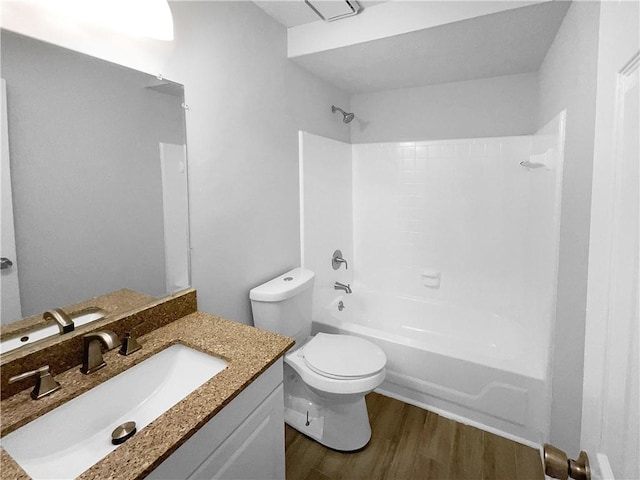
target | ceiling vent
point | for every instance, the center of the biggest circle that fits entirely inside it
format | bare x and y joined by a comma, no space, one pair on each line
334,10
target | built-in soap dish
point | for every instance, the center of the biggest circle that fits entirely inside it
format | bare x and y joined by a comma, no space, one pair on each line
431,278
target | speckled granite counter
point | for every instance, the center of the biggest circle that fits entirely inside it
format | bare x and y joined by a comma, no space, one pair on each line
126,311
248,350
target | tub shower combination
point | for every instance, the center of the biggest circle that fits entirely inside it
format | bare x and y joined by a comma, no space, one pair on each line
452,254
484,375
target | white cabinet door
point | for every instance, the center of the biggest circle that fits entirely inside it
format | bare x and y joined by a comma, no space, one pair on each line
255,451
245,440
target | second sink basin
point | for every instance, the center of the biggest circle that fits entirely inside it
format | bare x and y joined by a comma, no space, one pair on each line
70,439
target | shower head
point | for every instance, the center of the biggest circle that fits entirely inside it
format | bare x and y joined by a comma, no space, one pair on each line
347,117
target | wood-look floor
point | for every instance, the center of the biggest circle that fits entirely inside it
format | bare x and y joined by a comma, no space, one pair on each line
410,443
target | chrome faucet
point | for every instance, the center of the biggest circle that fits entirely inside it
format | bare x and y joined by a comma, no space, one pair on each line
65,324
92,354
342,286
45,384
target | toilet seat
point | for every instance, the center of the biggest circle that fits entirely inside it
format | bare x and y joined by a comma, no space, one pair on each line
338,383
343,356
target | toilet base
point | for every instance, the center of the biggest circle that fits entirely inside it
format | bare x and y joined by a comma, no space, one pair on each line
340,422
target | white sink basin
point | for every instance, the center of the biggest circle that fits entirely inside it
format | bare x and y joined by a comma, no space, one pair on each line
45,332
70,439
87,318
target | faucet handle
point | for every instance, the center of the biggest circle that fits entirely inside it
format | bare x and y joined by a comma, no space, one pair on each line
45,384
337,260
129,345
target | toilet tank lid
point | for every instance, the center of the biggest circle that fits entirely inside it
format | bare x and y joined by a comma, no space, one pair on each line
285,286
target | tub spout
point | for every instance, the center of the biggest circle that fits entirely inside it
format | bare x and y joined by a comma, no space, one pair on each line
342,286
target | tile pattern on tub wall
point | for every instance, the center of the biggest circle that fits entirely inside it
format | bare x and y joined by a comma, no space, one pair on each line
463,207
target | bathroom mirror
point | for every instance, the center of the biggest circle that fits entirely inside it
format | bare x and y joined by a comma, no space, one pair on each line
98,178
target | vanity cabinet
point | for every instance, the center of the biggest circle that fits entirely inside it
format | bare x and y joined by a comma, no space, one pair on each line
243,440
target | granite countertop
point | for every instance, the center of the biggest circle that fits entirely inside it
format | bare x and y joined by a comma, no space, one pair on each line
249,351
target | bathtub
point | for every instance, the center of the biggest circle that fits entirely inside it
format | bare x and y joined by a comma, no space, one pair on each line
481,369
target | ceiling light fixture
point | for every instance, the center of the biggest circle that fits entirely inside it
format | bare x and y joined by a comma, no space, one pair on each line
144,18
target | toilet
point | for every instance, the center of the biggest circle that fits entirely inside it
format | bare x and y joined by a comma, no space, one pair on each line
325,376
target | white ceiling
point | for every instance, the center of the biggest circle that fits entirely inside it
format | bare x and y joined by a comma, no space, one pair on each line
509,42
292,13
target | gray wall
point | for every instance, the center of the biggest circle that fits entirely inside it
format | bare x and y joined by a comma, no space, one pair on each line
86,173
567,80
247,102
490,107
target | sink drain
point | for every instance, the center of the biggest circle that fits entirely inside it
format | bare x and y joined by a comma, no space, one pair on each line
123,432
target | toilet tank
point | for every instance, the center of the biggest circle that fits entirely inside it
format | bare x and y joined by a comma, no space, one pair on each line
283,305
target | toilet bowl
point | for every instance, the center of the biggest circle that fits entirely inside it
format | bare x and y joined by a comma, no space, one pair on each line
326,376
324,397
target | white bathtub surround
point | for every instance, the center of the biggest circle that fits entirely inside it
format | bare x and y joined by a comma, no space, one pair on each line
460,207
326,212
454,269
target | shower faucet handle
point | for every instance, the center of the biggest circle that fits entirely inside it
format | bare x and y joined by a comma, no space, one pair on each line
337,260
